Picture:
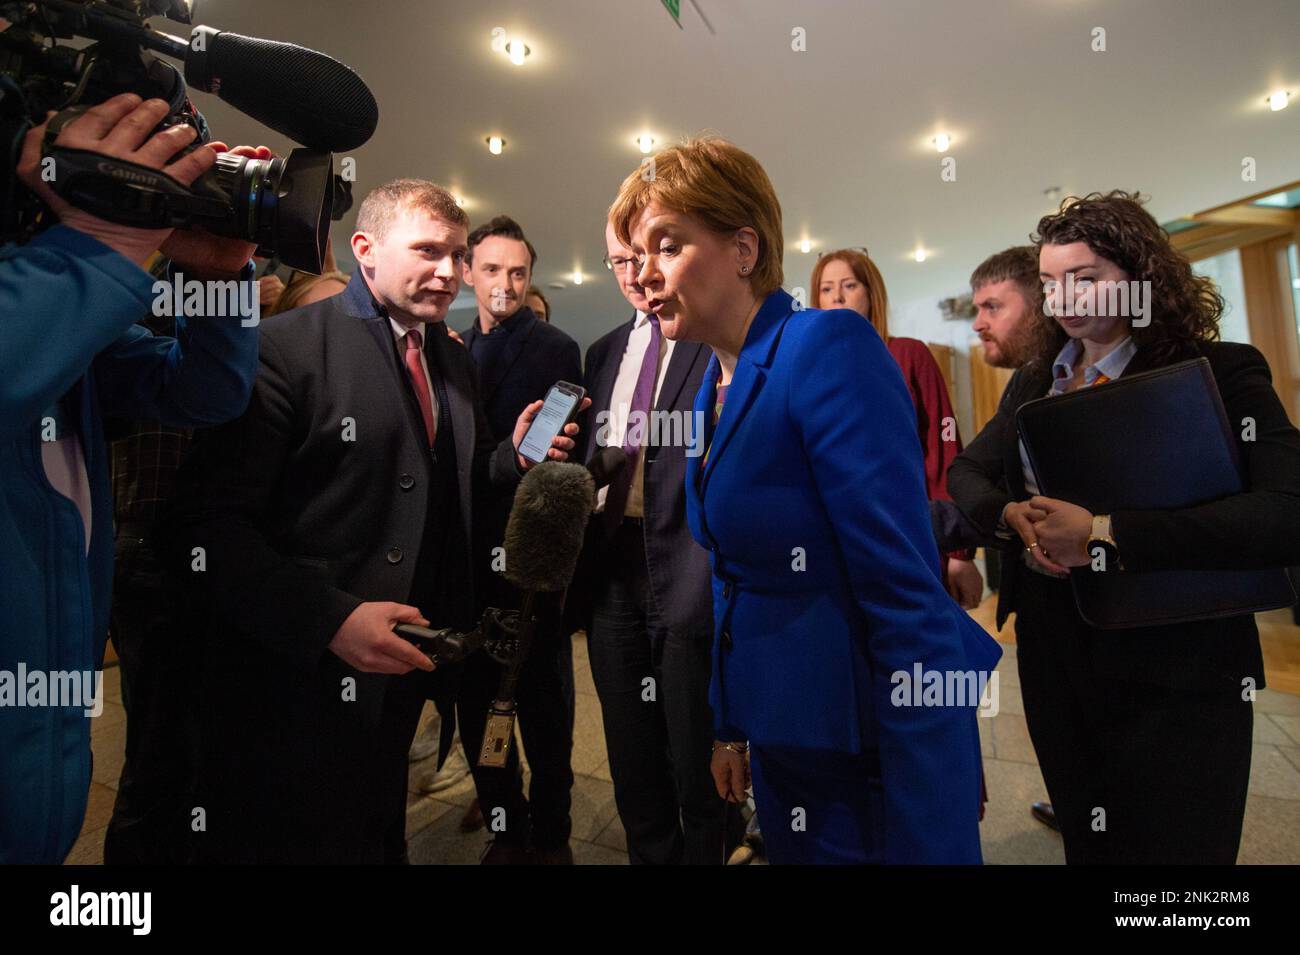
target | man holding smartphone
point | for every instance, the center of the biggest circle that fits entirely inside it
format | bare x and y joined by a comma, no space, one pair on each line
520,359
558,409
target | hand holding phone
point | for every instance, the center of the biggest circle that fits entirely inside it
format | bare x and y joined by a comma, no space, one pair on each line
563,403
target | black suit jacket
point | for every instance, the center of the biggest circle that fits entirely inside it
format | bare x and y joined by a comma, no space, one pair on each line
1258,528
312,502
679,572
535,357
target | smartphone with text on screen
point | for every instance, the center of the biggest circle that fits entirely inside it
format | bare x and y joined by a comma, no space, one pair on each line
560,407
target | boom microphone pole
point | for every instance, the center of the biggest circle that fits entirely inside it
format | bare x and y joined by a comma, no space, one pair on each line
543,541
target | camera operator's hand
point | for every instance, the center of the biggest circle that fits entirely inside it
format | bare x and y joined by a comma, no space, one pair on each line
119,127
203,255
366,640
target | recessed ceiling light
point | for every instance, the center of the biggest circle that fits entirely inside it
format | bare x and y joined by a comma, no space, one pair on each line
920,254
518,51
805,246
942,142
495,145
557,285
645,142
577,276
1278,100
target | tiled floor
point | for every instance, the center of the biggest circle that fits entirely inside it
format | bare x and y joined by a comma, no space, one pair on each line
433,822
1009,835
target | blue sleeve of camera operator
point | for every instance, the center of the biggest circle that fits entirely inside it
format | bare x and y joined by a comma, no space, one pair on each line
203,376
64,298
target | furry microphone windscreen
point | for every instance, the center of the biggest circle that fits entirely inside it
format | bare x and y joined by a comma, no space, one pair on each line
547,524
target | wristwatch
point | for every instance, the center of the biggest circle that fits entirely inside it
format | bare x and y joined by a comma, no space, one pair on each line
1101,537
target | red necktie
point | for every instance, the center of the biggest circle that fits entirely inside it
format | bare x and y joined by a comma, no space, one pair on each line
419,382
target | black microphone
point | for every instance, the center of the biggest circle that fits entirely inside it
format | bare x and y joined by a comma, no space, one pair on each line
546,527
308,96
542,544
551,508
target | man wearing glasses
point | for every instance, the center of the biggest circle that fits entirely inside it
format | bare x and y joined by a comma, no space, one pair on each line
646,603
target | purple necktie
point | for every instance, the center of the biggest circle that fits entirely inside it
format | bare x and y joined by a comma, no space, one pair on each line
642,400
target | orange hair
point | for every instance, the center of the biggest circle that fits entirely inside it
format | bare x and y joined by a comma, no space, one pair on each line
865,271
721,185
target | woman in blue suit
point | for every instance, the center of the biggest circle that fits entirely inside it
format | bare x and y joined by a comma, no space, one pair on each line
831,623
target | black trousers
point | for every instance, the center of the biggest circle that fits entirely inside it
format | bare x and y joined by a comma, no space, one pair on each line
653,686
1138,772
545,717
158,660
307,766
403,703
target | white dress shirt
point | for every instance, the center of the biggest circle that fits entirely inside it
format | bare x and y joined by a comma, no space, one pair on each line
620,404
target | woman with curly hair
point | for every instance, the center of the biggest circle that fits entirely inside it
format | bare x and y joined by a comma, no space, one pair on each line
1143,734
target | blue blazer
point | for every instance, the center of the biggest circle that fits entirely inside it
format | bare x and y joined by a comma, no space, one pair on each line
811,499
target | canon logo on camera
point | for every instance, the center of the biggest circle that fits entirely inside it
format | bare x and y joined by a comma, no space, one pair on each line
130,175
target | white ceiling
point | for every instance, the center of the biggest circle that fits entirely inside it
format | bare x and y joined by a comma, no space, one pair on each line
1171,108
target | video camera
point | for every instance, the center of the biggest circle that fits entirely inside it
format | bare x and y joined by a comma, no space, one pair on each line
283,205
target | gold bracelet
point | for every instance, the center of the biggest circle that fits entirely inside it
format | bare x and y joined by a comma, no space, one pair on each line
740,749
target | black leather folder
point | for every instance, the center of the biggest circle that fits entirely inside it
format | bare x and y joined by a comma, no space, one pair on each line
1157,440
